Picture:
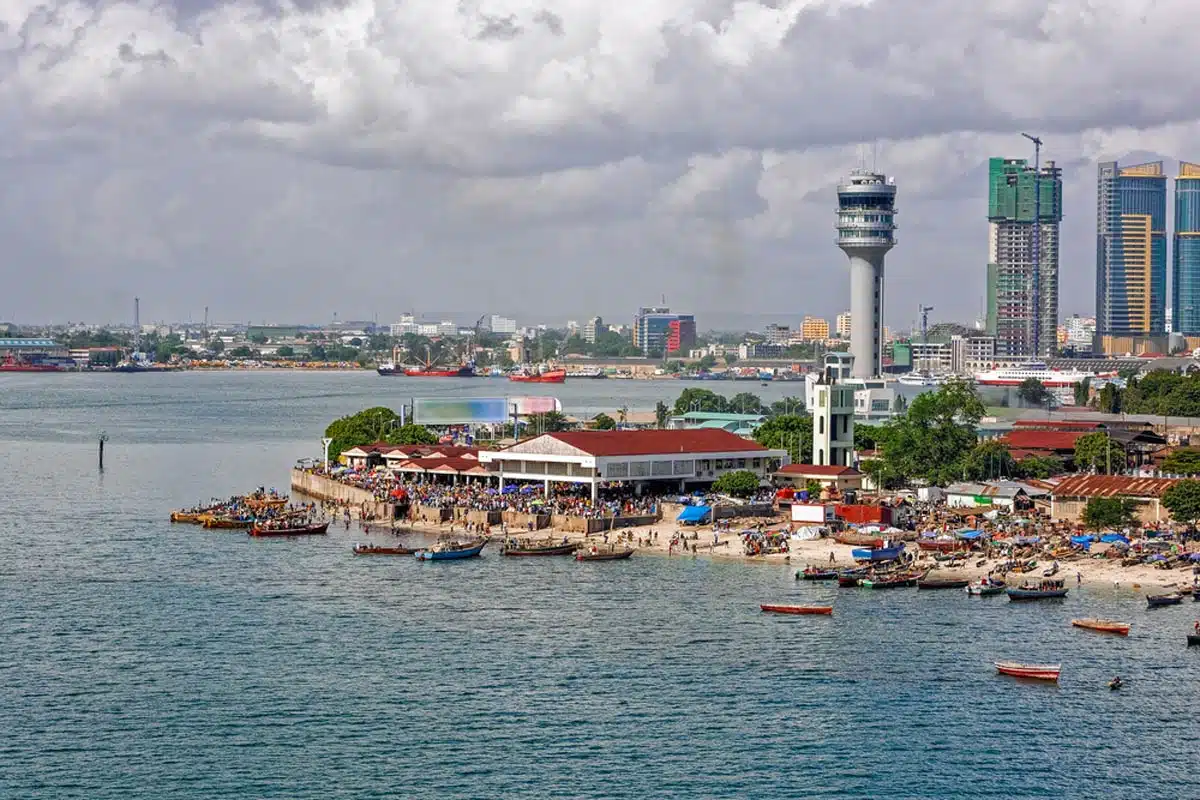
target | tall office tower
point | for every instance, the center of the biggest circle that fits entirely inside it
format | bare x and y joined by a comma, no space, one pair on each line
843,325
866,232
1131,255
1185,264
1012,297
656,331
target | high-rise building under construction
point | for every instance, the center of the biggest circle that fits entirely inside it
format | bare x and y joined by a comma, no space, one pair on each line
1021,313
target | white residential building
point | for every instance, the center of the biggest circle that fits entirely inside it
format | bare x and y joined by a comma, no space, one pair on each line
502,325
843,325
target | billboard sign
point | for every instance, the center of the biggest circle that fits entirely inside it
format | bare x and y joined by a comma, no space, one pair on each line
460,411
535,405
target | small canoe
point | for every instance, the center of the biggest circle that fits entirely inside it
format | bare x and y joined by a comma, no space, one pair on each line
858,539
615,555
938,545
1037,672
381,550
788,609
550,550
889,582
189,517
984,589
814,574
294,530
1102,625
1035,594
943,583
1157,600
1193,639
228,523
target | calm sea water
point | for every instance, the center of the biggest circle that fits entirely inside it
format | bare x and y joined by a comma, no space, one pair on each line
145,660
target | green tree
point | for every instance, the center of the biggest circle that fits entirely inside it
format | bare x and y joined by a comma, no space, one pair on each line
241,352
707,362
661,414
1109,399
603,422
1184,461
932,440
790,432
1127,373
788,405
217,346
410,434
813,487
1034,392
317,353
746,403
367,426
868,437
285,351
741,483
1108,512
1082,391
730,359
989,460
1040,467
549,422
1096,451
1183,501
700,400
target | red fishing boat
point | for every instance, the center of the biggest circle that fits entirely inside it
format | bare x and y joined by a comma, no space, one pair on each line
939,545
1103,625
292,530
789,609
1037,672
546,376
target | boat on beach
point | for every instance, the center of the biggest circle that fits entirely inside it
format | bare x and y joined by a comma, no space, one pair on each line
538,549
939,545
311,529
856,539
383,550
595,554
1045,590
1158,600
790,609
450,551
1102,625
1037,672
887,553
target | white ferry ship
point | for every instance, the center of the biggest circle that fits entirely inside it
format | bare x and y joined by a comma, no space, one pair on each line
1015,376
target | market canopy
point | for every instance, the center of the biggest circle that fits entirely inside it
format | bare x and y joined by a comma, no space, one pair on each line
695,514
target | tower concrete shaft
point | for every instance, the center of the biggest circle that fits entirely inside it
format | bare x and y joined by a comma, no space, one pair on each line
866,232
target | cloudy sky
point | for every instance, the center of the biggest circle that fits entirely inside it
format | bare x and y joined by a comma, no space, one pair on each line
548,159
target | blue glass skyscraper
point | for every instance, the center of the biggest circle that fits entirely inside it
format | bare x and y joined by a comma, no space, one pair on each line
1185,263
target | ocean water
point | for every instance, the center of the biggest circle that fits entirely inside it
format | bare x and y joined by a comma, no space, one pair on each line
142,659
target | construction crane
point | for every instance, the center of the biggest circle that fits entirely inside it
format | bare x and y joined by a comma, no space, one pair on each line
924,312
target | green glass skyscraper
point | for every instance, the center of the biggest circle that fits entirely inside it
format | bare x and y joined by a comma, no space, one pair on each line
1185,263
1011,295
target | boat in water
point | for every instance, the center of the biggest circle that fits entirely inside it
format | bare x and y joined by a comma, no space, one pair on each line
1050,378
449,551
1037,672
462,371
594,553
928,582
382,550
1158,600
816,574
1044,590
264,529
1193,640
851,578
801,610
518,548
543,376
14,363
898,580
919,379
985,588
1102,625
228,523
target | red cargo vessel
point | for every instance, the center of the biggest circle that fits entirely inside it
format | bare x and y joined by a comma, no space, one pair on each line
549,376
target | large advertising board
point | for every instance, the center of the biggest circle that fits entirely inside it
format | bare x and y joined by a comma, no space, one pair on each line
460,411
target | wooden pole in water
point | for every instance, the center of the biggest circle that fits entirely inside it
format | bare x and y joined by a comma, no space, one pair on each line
103,439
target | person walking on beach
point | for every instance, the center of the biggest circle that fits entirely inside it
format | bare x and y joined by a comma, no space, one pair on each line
831,558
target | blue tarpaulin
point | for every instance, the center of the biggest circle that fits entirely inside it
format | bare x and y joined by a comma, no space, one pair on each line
1113,538
695,514
1084,540
969,534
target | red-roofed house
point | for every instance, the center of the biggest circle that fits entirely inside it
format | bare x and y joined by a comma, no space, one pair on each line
680,457
840,478
1045,443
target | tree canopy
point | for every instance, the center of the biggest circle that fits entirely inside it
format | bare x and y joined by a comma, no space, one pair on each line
1182,462
1034,392
791,432
1108,512
741,483
378,424
1097,451
989,460
603,422
1183,501
933,439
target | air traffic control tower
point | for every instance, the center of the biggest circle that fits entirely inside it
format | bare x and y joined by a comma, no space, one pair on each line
866,231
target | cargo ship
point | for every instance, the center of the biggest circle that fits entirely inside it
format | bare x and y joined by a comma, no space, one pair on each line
545,376
14,363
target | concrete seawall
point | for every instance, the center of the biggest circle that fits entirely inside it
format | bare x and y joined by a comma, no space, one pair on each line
321,488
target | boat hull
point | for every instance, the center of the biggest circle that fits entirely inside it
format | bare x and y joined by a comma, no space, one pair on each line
1158,601
858,539
582,556
558,550
1193,640
1036,594
800,610
450,555
227,524
1103,626
552,376
300,530
977,590
1037,672
818,575
943,584
373,550
461,372
878,553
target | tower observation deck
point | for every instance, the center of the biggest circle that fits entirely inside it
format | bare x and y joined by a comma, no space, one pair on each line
866,231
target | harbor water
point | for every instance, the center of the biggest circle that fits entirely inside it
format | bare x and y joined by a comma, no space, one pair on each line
143,659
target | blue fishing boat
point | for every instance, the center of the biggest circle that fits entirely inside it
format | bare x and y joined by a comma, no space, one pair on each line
1044,590
451,550
887,553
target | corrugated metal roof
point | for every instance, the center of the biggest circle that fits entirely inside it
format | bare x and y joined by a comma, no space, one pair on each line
1043,440
1111,486
659,442
817,469
1005,491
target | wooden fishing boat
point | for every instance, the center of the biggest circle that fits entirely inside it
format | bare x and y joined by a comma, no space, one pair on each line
942,583
985,588
1102,625
789,609
382,550
228,523
189,517
1038,672
1157,600
449,551
264,503
314,529
856,539
851,578
879,553
603,555
1045,590
1193,639
939,545
816,574
530,549
889,581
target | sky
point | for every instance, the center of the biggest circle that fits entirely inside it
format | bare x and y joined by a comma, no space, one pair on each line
550,159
